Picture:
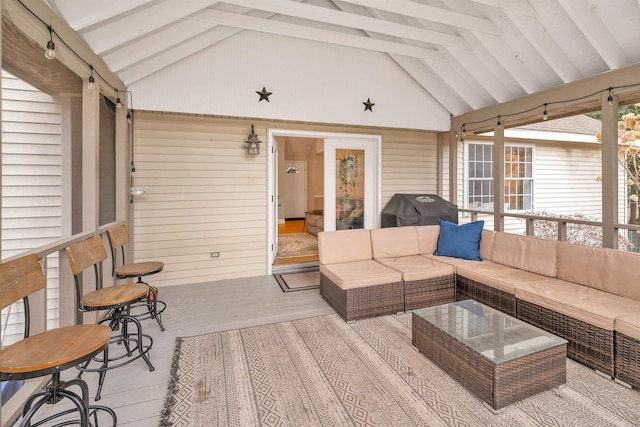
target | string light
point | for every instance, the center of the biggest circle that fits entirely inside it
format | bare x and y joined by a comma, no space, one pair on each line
499,122
92,82
118,102
50,52
545,115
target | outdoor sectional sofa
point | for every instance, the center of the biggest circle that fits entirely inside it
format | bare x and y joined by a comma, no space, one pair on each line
589,296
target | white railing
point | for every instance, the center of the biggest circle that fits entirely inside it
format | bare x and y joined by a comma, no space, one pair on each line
562,223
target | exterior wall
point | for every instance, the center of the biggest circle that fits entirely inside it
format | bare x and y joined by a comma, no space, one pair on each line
204,194
310,82
32,183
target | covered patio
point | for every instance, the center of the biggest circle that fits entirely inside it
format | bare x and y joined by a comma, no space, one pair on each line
140,113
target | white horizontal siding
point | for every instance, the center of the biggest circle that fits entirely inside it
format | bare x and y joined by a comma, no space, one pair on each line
204,194
409,164
31,183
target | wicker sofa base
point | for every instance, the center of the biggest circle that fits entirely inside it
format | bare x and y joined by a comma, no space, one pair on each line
627,360
495,298
429,292
588,344
498,385
360,303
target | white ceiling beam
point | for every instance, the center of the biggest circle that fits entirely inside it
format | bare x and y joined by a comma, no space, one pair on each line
510,61
485,76
350,20
546,46
433,85
137,24
175,54
519,6
431,13
596,32
315,34
146,47
81,15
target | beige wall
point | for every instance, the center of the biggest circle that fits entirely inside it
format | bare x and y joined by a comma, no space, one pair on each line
204,194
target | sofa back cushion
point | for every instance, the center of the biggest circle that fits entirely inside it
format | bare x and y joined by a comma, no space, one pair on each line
337,247
394,242
526,253
605,269
486,244
427,238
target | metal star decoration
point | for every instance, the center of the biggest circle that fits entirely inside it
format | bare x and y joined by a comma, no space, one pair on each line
263,94
368,105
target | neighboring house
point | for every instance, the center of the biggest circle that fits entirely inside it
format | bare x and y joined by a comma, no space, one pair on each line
550,166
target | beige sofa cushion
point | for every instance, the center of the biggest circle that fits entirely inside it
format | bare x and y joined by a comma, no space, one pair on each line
344,246
394,242
428,240
417,267
499,276
629,325
605,269
486,244
454,262
358,274
526,253
590,305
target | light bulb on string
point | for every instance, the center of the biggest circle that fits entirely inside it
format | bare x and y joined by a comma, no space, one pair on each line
92,82
50,51
610,98
545,115
118,101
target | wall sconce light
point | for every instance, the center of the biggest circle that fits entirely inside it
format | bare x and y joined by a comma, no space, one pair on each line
253,144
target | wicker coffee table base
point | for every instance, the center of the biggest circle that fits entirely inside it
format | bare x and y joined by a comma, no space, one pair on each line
497,385
588,344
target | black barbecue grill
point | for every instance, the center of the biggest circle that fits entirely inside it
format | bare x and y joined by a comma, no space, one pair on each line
417,209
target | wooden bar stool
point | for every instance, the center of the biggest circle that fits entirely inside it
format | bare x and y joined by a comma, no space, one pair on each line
49,352
116,301
118,237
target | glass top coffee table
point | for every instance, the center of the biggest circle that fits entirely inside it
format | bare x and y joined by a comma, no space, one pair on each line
497,357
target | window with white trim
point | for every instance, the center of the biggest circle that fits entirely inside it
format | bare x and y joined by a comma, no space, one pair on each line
518,180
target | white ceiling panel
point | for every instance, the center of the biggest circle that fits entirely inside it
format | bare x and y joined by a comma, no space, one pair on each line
464,54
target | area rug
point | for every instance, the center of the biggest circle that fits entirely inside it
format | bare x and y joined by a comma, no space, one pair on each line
297,244
323,371
298,281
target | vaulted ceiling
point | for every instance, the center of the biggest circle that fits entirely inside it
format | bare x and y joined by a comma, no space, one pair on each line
467,54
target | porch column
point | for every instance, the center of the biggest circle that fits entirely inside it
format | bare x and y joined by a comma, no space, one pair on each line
453,166
498,175
609,170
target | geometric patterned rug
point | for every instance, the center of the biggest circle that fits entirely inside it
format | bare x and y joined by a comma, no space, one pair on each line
323,371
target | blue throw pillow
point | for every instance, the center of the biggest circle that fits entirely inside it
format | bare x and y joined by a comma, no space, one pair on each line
460,241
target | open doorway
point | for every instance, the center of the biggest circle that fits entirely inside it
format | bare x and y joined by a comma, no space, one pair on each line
326,195
300,208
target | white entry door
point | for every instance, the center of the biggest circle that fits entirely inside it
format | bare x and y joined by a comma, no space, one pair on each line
351,195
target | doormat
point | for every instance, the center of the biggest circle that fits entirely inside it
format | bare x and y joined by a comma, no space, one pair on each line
297,244
298,281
